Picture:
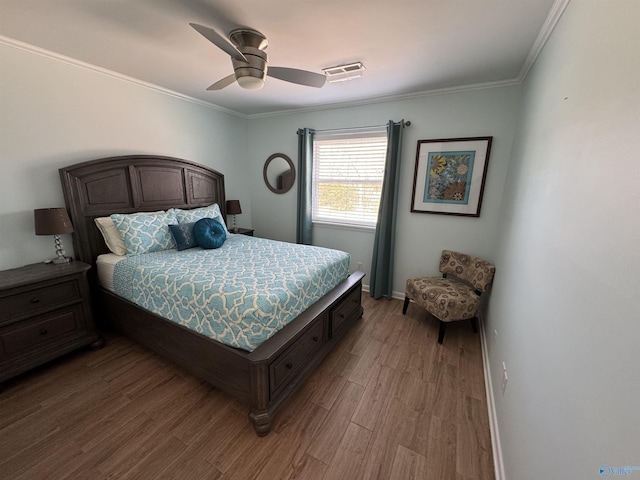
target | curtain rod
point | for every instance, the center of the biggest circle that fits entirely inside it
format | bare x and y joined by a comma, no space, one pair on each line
407,124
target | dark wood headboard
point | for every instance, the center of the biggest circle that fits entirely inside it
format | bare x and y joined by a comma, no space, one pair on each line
132,183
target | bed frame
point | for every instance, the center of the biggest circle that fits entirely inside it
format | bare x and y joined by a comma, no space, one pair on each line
262,379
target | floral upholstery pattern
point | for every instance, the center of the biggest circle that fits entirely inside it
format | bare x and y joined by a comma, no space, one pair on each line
474,270
444,298
451,299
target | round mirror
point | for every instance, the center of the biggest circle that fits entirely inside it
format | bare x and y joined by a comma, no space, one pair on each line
279,173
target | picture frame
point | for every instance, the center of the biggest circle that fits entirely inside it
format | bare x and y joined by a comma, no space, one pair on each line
449,176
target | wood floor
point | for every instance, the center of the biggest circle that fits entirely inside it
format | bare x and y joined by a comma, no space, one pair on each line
389,403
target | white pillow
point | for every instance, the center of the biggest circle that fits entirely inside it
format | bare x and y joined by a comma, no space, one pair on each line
111,235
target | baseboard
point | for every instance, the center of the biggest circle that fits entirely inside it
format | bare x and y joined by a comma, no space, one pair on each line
496,446
398,295
394,294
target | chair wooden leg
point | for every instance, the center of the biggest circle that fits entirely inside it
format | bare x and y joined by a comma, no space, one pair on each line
443,327
474,324
406,304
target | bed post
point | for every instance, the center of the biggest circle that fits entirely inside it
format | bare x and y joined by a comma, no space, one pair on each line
259,415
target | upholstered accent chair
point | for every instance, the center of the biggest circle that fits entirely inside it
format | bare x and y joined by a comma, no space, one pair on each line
455,296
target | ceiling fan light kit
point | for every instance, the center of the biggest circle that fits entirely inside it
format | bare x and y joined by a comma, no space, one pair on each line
250,74
250,83
246,48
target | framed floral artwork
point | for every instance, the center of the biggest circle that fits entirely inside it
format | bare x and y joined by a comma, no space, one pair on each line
449,176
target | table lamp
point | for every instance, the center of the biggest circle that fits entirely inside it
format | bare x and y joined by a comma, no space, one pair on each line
53,221
233,208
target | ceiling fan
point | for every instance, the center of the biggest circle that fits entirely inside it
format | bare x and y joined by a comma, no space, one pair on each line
246,48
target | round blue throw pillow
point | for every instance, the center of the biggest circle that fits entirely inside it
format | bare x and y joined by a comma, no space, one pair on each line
209,233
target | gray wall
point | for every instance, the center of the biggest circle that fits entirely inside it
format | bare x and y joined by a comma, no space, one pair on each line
420,237
559,217
565,297
55,113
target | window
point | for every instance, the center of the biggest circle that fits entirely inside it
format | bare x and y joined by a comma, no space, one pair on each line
348,167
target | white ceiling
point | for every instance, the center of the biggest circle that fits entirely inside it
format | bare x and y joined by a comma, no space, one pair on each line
407,46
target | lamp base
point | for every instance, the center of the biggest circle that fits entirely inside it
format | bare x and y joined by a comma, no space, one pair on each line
60,260
59,252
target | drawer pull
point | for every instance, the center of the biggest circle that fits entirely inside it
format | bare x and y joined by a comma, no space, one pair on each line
341,315
315,339
35,300
43,331
289,366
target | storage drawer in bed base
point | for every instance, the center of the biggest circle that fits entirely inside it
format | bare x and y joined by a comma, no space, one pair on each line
262,379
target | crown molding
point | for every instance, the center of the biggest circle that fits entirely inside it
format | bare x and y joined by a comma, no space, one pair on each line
390,98
552,19
557,9
17,44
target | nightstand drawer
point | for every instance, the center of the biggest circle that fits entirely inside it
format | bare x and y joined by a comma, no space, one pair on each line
39,331
37,299
44,313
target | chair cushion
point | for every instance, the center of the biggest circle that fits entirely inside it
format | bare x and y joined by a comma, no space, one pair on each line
446,299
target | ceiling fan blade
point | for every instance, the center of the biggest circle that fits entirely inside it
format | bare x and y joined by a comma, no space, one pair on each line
225,82
301,77
219,41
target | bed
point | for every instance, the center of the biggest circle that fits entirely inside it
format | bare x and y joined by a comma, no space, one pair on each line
263,378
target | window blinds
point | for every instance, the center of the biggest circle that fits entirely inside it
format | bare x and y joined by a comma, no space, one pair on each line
348,168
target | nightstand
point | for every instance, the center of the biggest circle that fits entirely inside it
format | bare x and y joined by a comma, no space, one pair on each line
244,231
45,312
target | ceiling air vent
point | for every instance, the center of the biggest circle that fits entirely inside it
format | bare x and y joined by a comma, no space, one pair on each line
341,73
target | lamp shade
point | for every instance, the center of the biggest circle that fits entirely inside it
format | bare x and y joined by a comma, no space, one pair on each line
52,221
233,207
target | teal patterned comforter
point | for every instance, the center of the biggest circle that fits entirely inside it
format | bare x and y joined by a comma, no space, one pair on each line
239,294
